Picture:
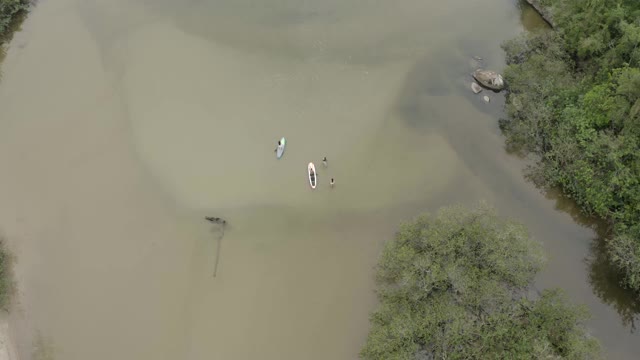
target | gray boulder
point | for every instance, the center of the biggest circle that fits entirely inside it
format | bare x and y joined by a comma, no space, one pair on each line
475,88
489,79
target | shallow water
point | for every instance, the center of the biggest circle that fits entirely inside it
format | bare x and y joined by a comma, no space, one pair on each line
123,124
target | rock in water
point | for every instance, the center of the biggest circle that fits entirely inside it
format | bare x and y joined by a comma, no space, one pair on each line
486,99
475,87
489,79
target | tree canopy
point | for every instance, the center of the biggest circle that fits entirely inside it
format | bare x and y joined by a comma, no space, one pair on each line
7,285
8,9
455,286
574,99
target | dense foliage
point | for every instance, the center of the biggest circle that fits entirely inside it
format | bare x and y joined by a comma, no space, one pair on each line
6,279
454,286
574,99
8,9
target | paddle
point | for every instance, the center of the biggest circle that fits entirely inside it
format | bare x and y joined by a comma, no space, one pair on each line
215,266
216,220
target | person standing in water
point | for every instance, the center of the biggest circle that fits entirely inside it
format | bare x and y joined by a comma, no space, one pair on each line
332,182
324,161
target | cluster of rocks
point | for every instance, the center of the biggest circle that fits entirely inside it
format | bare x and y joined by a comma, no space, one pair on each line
489,79
486,78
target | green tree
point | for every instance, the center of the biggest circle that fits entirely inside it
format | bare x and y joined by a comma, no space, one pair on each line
454,286
6,278
8,9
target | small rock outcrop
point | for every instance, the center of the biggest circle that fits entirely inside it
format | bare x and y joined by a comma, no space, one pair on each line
486,99
489,79
475,88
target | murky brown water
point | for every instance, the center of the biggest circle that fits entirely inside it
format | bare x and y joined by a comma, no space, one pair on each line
123,123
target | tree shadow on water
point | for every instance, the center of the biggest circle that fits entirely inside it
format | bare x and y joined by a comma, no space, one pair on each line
437,74
530,19
604,279
43,348
605,282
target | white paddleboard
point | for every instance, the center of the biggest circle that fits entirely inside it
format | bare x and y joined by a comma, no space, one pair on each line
280,149
313,175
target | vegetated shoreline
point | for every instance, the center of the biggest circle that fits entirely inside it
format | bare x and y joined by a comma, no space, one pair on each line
572,102
7,288
10,11
573,99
